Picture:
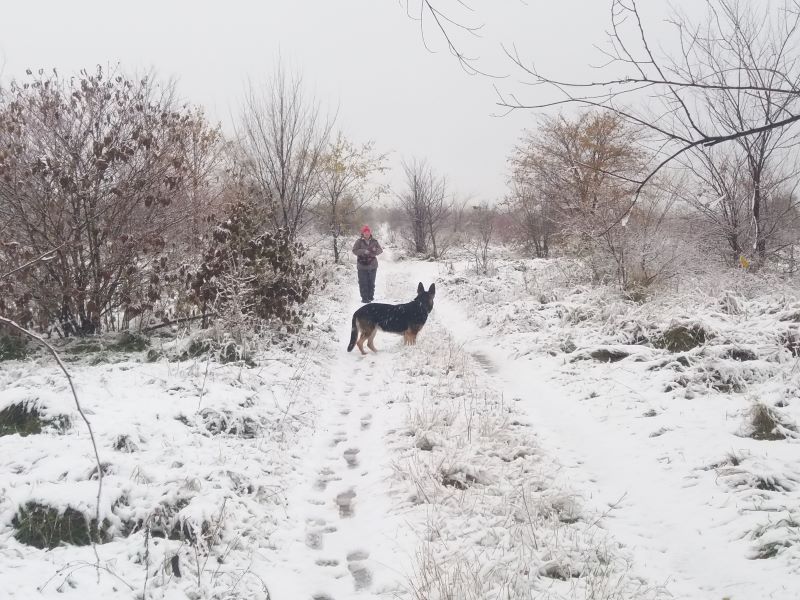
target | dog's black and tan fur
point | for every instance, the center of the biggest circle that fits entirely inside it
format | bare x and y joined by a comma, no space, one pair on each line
406,319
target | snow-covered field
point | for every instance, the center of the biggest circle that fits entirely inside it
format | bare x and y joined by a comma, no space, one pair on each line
503,456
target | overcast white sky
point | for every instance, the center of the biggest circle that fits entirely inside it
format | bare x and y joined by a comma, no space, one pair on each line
362,57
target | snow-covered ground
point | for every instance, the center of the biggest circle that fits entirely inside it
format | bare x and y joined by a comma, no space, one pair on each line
500,457
658,440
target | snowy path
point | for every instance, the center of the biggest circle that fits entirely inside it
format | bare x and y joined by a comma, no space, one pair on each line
342,541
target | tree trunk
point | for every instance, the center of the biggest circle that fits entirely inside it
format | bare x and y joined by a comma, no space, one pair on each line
736,248
335,249
760,242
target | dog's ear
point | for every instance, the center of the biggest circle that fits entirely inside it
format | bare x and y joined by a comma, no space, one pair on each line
432,289
420,288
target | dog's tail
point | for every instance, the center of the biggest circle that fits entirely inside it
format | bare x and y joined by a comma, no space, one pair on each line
353,335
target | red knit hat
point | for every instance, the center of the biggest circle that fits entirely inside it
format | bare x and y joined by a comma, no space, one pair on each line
366,230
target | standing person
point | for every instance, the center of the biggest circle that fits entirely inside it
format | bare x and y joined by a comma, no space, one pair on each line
366,249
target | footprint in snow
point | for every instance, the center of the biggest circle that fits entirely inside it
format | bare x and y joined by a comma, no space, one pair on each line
326,475
317,529
366,421
314,540
345,503
327,562
351,457
357,555
362,576
338,440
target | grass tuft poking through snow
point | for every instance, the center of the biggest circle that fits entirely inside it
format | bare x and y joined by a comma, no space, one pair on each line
764,423
12,348
26,418
45,527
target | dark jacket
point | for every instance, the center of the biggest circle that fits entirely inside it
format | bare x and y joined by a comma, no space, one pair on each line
366,251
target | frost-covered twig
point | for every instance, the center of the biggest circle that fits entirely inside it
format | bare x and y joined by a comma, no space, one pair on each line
15,326
178,321
146,557
203,387
70,568
32,262
215,533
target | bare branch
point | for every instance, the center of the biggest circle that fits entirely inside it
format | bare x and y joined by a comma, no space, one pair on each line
29,334
447,26
30,263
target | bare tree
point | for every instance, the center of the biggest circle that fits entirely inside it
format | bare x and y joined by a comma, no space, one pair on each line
208,159
438,210
738,57
458,213
533,215
426,205
719,193
643,251
719,186
583,166
731,111
283,136
579,173
345,187
483,222
533,211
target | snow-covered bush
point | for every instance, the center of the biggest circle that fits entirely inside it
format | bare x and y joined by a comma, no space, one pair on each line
47,527
765,423
29,418
111,160
246,273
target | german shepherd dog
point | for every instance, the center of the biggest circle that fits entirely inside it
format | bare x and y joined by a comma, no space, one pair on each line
406,319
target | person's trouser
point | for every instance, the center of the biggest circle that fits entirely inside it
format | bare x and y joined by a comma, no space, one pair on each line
366,284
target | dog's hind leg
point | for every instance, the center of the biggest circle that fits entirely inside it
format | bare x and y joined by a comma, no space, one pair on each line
367,330
360,343
370,339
